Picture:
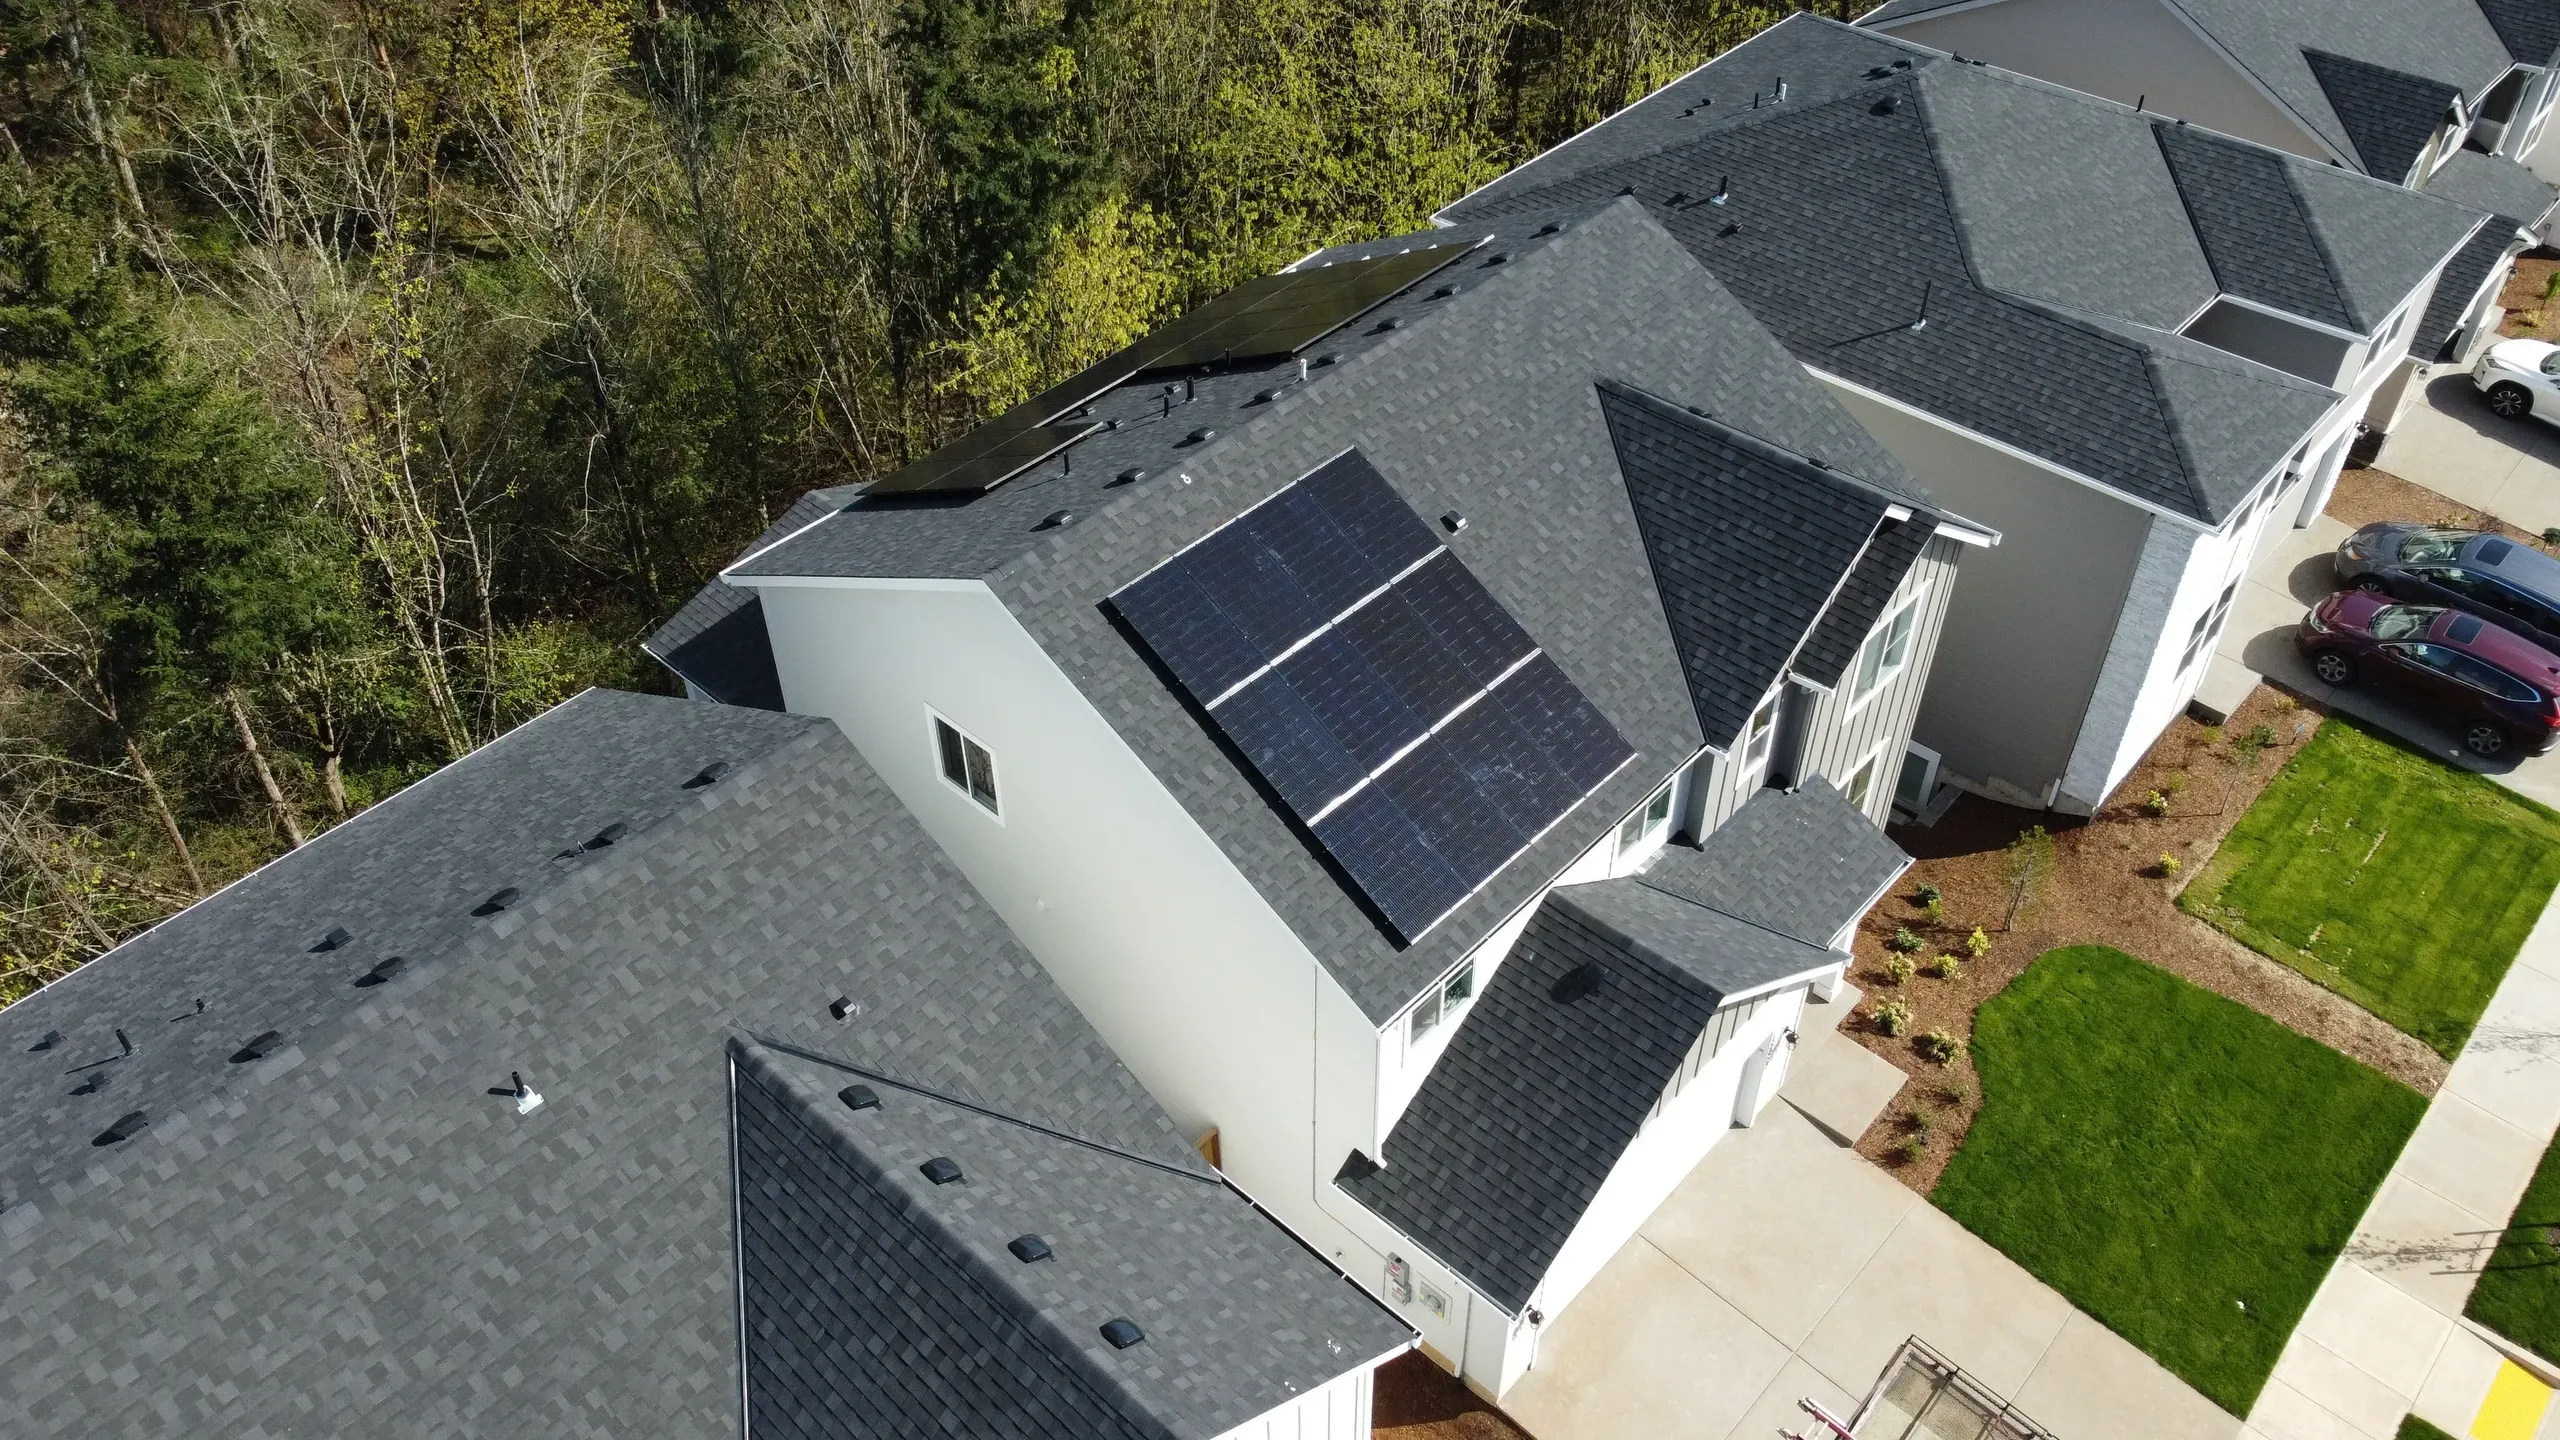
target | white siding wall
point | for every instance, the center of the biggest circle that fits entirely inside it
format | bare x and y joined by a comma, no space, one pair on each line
1339,1411
1840,734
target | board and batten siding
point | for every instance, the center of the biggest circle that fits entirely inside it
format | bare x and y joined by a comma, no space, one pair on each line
1840,734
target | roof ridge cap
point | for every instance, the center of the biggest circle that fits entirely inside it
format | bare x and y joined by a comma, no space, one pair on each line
1641,948
1710,905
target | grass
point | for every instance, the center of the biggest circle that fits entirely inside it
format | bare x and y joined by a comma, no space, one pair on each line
2413,1428
2177,1165
2519,1292
2401,883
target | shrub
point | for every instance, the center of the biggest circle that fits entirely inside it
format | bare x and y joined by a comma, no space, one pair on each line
1903,941
1928,895
1941,1046
1912,1150
2169,864
2246,750
2551,534
1954,1092
1934,911
1917,1122
1893,1017
2285,703
1900,968
1977,944
2024,867
2156,804
2173,782
1948,967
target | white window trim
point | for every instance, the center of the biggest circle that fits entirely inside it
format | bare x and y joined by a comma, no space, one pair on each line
1653,835
1441,1016
1884,625
933,753
1874,765
1746,768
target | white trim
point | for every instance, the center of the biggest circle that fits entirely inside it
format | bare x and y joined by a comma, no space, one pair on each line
933,740
2304,321
1887,27
1884,678
1936,762
1875,759
1746,769
851,582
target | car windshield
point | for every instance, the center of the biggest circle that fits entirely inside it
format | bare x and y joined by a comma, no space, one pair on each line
2428,547
2403,622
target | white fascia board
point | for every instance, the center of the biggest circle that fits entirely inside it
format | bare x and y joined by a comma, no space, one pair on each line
1887,27
852,582
2012,451
1832,960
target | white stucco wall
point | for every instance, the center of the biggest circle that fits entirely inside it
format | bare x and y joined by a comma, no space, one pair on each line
2124,50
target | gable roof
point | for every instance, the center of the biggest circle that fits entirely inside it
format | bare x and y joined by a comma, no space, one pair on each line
2250,220
1882,194
1557,1066
1748,545
2530,29
2388,115
1800,862
849,1257
353,1236
1480,402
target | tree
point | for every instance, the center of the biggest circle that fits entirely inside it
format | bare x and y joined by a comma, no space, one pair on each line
2024,867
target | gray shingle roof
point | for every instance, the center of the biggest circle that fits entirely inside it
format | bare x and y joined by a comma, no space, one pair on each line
879,1303
2530,29
1861,601
2250,220
2463,276
1554,1070
1850,216
1801,862
1748,544
2388,115
352,1236
2495,184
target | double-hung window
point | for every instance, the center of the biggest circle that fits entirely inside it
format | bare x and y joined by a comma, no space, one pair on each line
1649,822
1759,737
966,765
1443,1003
1887,650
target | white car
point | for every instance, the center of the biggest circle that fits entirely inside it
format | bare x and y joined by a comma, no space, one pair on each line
2520,378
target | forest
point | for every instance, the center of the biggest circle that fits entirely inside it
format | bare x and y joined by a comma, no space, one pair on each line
375,374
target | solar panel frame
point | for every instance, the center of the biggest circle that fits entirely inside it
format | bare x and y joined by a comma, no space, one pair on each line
1391,863
1288,744
1295,309
1353,700
1563,723
1471,835
1372,518
1204,649
1476,632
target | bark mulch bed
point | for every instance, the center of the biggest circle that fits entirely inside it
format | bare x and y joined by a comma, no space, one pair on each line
2106,888
2367,495
1417,1400
2532,310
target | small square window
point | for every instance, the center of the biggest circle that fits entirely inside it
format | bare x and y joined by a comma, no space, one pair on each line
1887,650
1460,988
966,764
1863,784
1443,1002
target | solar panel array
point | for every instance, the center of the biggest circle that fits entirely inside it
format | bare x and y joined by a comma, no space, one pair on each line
1381,693
1261,319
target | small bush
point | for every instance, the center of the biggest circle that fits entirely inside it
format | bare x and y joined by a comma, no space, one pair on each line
1900,968
1934,911
1941,1046
2210,734
1917,1123
1977,944
2551,533
1904,941
2285,703
1927,895
2246,750
1893,1017
1912,1150
2169,865
2156,804
2173,782
1948,967
1954,1092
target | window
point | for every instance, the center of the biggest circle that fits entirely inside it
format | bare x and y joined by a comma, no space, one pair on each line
2208,626
1887,649
1757,739
1863,783
2482,676
1444,1002
966,764
1648,822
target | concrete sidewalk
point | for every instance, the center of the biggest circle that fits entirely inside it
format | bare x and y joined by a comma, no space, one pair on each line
1786,1267
2384,1336
2449,442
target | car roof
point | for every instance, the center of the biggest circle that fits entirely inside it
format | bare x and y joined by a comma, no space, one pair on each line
2500,647
2515,562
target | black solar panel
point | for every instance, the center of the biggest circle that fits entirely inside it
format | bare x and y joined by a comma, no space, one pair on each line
1388,700
982,459
1282,314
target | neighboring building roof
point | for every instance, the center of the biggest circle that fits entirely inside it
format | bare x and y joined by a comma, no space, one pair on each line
1481,402
1802,862
352,1235
2250,219
2530,29
2389,115
1554,1070
2517,200
1886,189
716,641
1748,544
2495,184
880,1303
2463,276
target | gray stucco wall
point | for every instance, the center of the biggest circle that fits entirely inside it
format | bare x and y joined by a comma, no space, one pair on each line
2032,617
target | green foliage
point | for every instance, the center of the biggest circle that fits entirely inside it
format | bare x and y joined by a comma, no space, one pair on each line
1947,967
2177,1165
2025,865
1977,944
2366,866
1904,941
1892,1017
2168,865
2518,1294
2156,804
2411,1427
1942,1046
1900,968
1927,894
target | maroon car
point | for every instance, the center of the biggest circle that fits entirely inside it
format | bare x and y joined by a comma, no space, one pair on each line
2502,689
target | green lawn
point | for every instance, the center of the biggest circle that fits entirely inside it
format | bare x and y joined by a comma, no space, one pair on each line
2177,1165
2413,1428
2401,883
2519,1293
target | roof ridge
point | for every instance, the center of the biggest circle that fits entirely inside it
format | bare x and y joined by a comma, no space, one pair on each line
1702,904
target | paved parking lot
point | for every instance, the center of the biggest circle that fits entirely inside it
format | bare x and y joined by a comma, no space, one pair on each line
2288,580
2449,442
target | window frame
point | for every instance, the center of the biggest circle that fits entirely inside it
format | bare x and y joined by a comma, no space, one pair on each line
2208,628
1648,830
1763,738
1863,689
1864,774
949,740
1446,1000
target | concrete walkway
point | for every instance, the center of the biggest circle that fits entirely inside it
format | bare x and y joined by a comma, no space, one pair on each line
1787,1267
2449,442
2384,1336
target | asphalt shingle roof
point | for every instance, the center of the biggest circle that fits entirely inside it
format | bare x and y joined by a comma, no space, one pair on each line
352,1236
1554,1070
879,1303
1801,862
2530,29
1748,544
1849,218
2251,222
2389,115
2463,276
2495,184
1862,598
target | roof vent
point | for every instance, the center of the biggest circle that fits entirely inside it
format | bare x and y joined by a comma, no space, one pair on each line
258,1048
1453,522
608,835
383,969
1057,519
96,1083
126,1127
1265,397
336,937
1201,436
1581,982
1390,323
1625,190
1444,292
526,1097
711,774
1130,476
49,1039
497,902
859,1097
1498,257
1902,64
1551,227
1327,358
1122,1332
1885,106
941,1170
1028,1248
843,1008
1878,72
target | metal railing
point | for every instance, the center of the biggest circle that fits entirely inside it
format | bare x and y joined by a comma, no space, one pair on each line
1923,1395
